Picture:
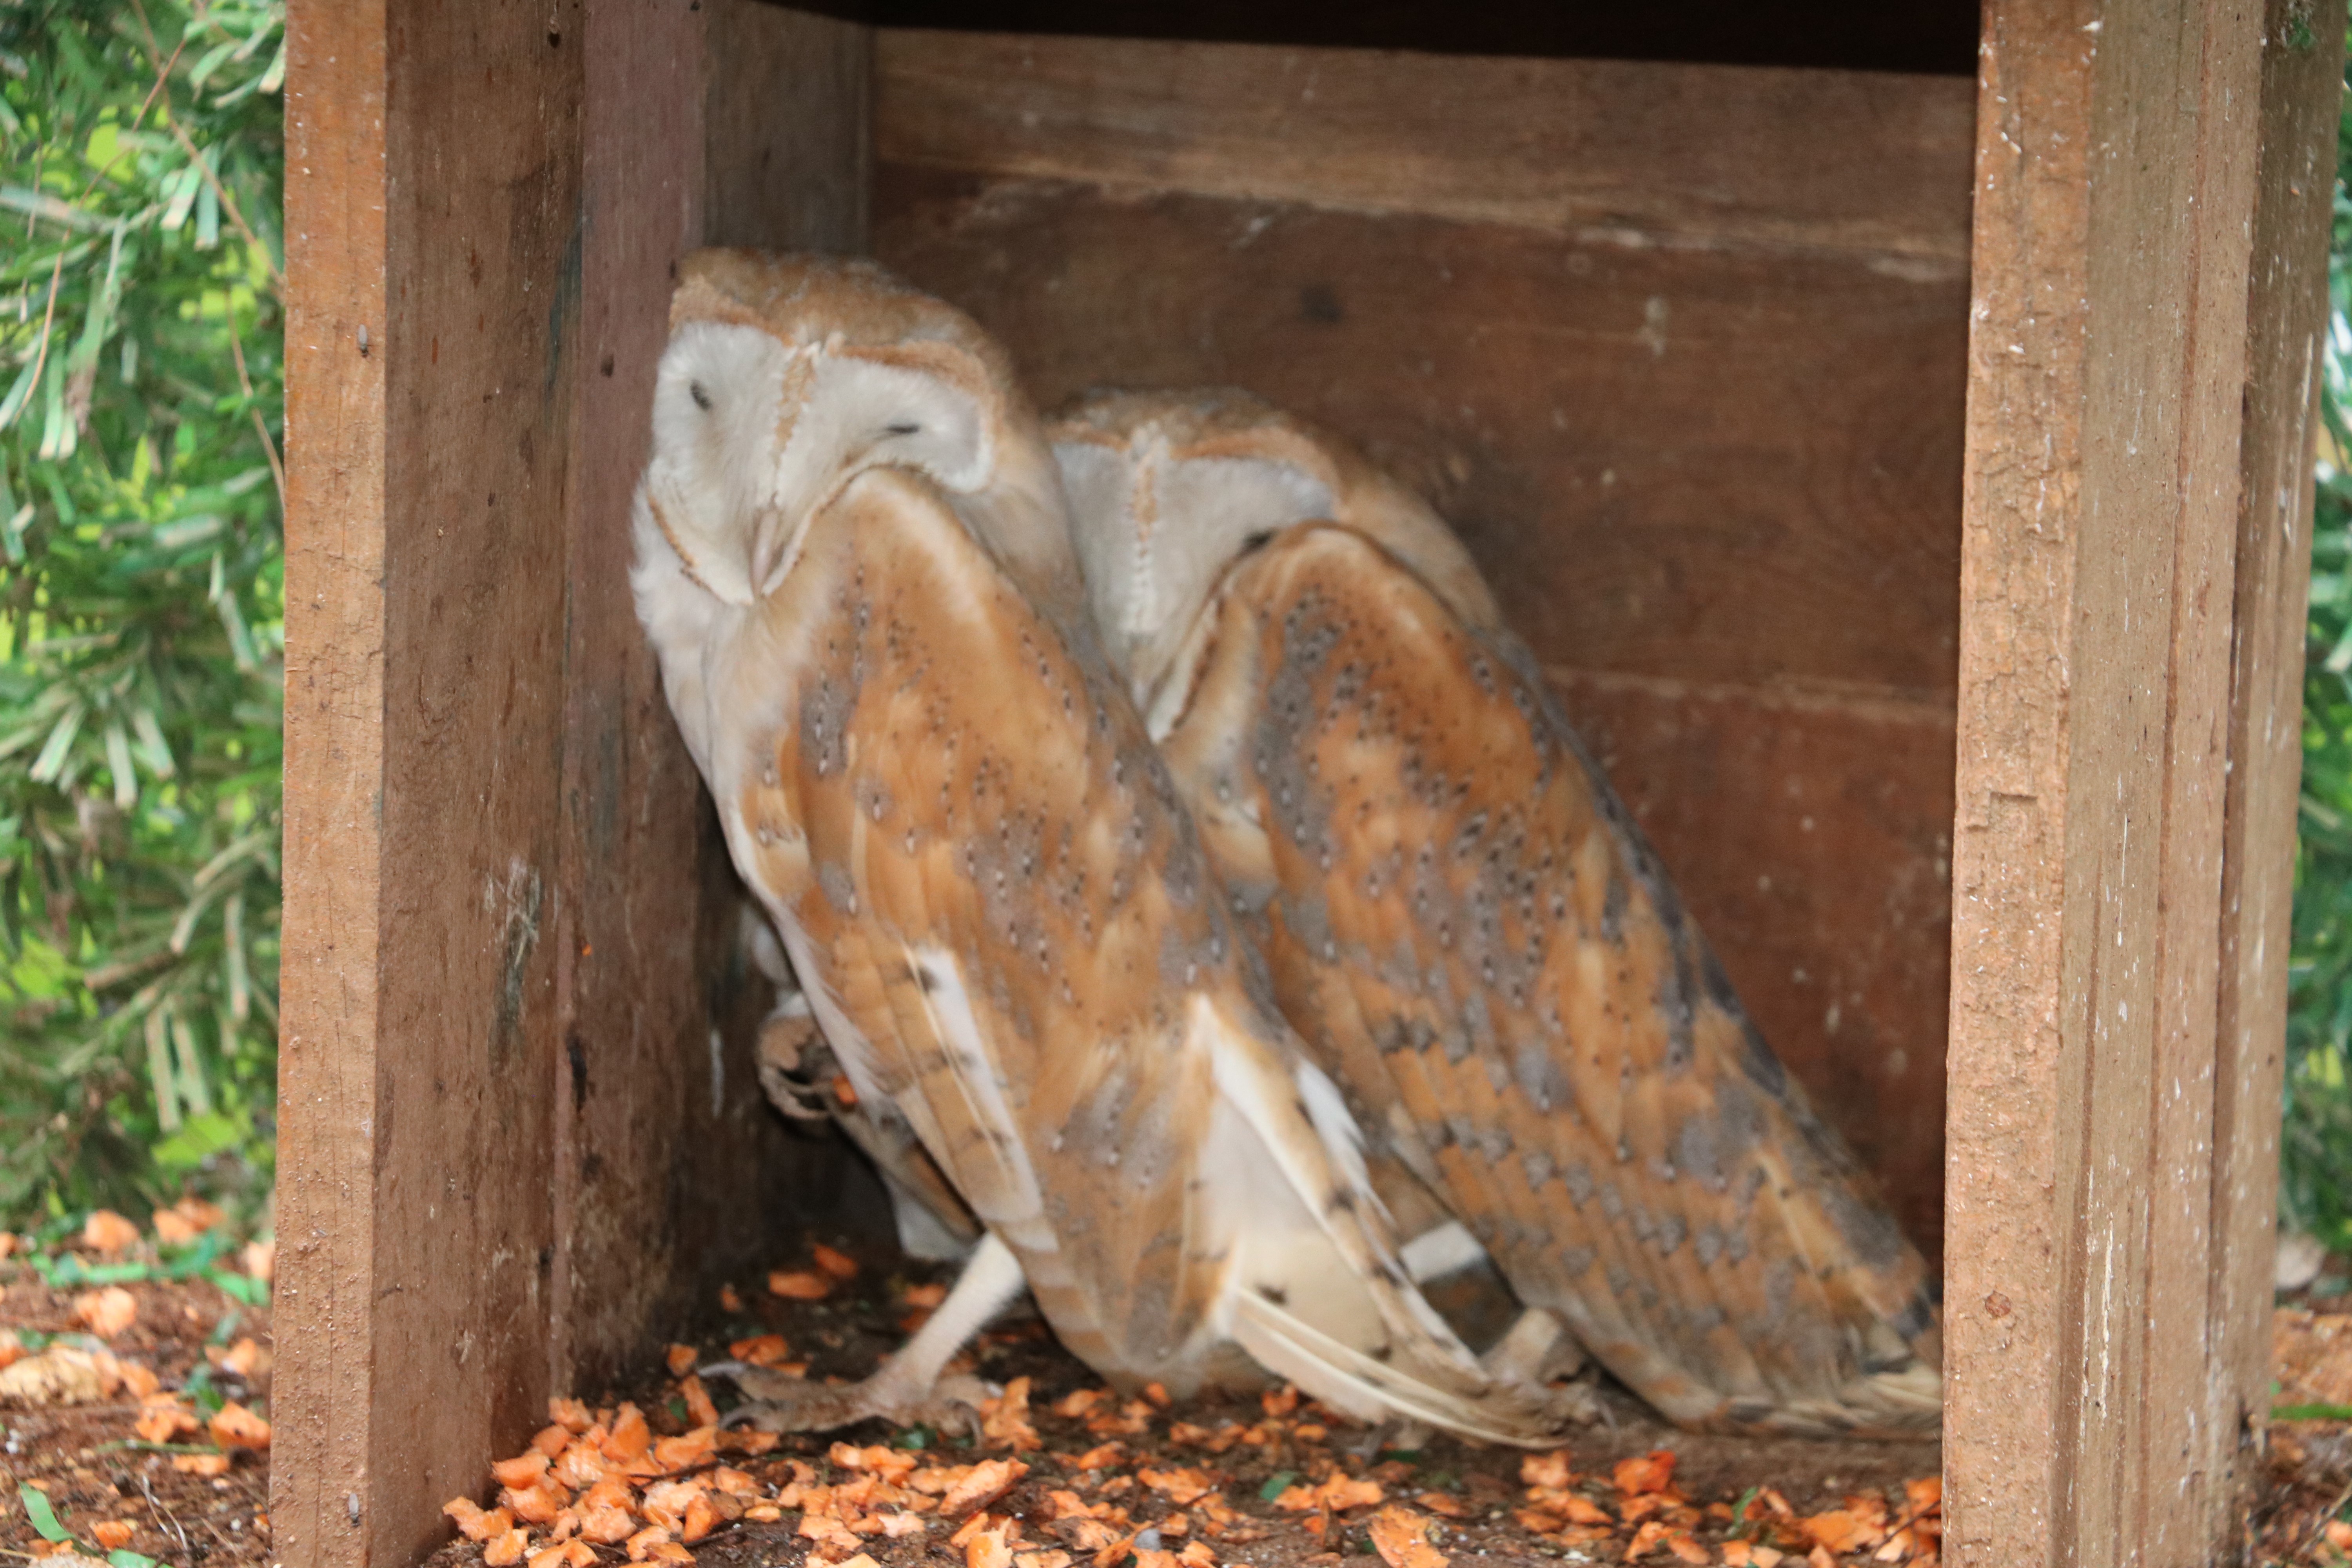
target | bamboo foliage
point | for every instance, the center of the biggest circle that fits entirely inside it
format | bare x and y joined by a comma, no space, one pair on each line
140,596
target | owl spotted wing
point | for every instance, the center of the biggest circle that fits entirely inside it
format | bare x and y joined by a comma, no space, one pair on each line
1004,919
1462,921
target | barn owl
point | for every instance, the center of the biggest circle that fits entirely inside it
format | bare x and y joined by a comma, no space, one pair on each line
853,562
1470,932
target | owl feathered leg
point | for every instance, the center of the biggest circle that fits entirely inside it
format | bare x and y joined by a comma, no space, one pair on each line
907,1390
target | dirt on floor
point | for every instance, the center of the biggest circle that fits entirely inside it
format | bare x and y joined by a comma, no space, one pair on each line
1065,1474
167,1490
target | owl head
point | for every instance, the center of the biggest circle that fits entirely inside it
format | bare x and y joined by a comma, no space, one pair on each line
1168,490
785,377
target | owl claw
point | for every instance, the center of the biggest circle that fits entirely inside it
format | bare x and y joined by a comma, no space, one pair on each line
781,1404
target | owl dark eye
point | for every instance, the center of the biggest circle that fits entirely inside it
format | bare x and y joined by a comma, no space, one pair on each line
902,429
1257,540
701,395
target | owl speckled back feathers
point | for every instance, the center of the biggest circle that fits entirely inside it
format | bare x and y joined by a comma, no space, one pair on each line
1471,932
854,560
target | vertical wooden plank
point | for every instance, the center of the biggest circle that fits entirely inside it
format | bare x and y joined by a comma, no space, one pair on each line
790,135
434,208
628,1097
2116,179
669,1170
2302,77
334,760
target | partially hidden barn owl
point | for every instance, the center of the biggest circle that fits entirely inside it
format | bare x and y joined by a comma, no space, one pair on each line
853,559
1469,931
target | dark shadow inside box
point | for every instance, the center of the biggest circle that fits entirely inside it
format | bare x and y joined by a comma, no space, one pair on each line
1938,39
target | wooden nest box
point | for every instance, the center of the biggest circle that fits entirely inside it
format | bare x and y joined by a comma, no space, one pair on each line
1904,474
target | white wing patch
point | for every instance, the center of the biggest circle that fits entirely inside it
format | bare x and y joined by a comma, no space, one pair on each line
1013,1204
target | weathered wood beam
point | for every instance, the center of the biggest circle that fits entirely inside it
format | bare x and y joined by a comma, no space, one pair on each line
2120,173
515,1132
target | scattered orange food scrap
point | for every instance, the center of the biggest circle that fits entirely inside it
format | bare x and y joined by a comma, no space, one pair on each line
164,1420
503,1551
698,1406
1101,1456
730,1298
107,1313
173,1230
1652,1472
1157,1394
987,1548
244,1358
572,1553
680,1360
569,1413
261,1260
106,1231
645,1540
1336,1495
1052,1559
1401,1538
1546,1470
113,1533
605,1523
235,1427
1005,1420
761,1350
1181,1486
537,1503
552,1439
988,1480
838,1264
521,1470
1445,1503
11,1348
800,1285
630,1437
924,1295
701,1517
473,1522
1080,1402
1279,1402
1750,1555
1840,1531
201,1464
685,1452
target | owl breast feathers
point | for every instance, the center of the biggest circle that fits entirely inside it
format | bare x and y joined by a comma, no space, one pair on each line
1471,934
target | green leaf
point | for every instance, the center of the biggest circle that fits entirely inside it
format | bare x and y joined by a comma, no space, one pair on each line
1275,1485
44,1516
2310,1412
123,1557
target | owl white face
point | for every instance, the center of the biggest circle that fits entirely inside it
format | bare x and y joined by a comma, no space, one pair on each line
753,435
1156,532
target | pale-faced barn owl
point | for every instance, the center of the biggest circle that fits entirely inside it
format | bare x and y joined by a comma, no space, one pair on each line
1465,926
853,559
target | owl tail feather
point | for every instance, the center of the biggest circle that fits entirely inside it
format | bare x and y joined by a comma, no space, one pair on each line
1368,1389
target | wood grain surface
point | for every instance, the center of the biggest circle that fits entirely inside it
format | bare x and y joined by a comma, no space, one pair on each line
2286,311
1701,152
2109,372
433,192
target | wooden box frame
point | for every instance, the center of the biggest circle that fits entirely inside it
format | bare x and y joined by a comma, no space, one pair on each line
515,1126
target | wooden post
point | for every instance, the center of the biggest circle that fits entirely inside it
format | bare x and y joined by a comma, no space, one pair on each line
2106,1213
513,1134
